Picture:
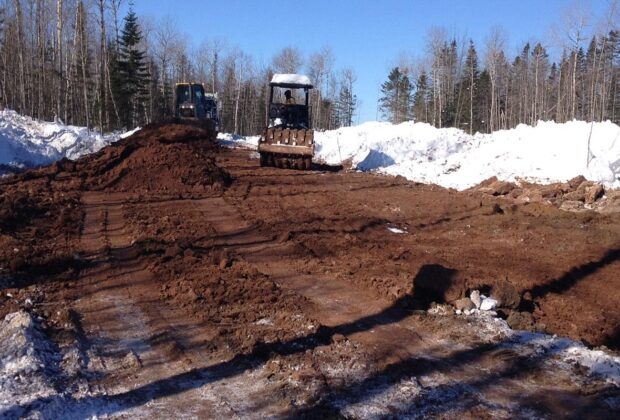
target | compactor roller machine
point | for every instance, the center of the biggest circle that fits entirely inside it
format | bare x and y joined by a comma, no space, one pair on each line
288,140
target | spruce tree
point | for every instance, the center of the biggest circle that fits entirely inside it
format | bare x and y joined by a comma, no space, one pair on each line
347,103
420,99
468,117
395,104
131,78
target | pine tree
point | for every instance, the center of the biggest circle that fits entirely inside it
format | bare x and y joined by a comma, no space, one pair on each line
347,103
131,78
468,116
482,100
396,101
613,102
421,98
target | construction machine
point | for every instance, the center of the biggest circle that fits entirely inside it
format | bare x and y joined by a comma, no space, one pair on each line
192,105
288,139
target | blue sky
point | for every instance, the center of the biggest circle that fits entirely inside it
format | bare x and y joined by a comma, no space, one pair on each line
365,35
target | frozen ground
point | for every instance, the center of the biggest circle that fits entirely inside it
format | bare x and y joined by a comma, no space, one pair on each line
37,381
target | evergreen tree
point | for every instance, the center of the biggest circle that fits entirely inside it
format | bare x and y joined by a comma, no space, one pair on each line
468,117
395,104
131,76
421,99
482,100
613,103
347,103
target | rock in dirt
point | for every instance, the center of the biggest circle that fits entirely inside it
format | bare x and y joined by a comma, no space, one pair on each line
576,182
502,187
593,193
436,283
570,205
506,295
475,298
464,304
131,361
575,196
520,321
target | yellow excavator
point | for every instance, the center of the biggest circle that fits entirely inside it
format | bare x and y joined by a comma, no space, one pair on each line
192,105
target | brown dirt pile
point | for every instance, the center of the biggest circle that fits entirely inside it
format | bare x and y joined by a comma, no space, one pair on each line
168,158
38,217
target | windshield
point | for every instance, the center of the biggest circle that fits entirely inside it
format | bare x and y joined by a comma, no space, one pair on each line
297,96
183,93
198,92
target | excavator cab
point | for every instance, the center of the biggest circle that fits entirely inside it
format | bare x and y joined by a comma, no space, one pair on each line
193,103
288,140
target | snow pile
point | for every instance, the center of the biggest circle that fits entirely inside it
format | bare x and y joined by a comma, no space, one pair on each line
548,152
26,142
27,363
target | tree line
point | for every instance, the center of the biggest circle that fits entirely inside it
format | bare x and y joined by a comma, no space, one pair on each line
83,63
452,87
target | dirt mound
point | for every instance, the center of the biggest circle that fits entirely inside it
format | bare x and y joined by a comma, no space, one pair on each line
37,218
169,158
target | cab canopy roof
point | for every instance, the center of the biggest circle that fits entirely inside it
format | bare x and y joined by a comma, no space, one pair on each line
294,81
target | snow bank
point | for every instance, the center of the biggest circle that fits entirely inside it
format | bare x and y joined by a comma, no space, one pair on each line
26,142
548,152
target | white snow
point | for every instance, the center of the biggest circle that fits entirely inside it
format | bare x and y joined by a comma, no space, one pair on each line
548,152
488,304
294,79
234,140
396,230
28,363
26,142
561,352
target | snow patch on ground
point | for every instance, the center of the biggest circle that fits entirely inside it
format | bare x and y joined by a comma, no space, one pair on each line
234,140
27,362
26,142
561,351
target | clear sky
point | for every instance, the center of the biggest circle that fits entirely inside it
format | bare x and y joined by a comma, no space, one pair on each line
366,35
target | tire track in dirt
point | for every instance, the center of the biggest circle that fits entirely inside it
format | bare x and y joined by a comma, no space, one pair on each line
130,335
454,359
136,341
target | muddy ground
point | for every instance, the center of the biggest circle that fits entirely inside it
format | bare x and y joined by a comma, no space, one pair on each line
186,280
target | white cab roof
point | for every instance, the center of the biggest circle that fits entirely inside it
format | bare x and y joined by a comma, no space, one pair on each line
291,79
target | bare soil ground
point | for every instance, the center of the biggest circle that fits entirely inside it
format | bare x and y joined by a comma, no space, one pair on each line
194,283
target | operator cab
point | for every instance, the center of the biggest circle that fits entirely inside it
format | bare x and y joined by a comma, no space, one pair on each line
192,102
289,101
